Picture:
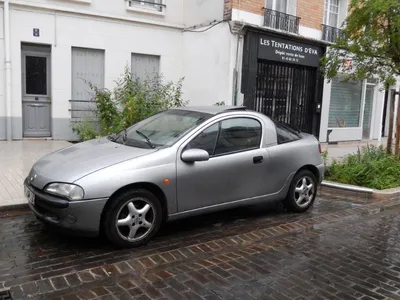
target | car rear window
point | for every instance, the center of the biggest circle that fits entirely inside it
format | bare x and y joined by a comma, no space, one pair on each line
285,134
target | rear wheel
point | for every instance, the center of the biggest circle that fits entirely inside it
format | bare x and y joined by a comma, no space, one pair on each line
133,218
302,192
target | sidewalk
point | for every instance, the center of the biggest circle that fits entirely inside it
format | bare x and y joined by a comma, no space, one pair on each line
345,148
16,160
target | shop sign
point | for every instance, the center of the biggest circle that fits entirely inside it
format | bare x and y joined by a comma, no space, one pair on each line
287,51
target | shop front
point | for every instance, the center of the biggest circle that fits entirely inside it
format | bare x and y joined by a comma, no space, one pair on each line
281,78
352,111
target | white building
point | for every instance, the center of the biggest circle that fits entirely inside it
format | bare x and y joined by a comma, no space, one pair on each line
225,51
53,44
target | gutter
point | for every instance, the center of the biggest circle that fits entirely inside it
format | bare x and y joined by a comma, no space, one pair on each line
7,63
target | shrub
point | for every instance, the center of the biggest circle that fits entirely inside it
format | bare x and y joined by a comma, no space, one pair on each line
85,130
131,101
370,167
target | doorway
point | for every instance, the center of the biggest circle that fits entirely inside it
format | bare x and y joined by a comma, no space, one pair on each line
285,92
36,98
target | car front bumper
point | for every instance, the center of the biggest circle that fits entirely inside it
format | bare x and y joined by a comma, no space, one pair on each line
81,217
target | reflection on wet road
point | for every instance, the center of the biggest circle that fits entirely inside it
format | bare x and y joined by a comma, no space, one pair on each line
238,254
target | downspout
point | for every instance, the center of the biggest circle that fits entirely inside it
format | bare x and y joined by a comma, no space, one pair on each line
236,65
7,66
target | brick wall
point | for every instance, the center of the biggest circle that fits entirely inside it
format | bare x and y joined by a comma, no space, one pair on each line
253,6
228,10
311,13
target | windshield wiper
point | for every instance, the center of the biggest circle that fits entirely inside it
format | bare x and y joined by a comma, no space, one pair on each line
145,137
125,136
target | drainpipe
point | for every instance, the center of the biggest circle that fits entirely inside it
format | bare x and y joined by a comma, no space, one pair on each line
239,37
7,66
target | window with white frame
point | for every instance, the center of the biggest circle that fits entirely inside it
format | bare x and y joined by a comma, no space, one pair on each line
346,103
284,6
152,5
331,13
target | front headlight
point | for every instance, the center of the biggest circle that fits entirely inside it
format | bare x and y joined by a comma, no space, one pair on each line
70,191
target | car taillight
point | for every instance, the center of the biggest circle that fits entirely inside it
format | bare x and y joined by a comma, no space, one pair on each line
319,148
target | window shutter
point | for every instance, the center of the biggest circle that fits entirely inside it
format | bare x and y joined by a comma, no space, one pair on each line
292,7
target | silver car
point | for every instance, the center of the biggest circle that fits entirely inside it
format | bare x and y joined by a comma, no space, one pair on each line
177,163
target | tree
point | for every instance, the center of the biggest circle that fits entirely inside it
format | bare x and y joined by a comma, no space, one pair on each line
370,40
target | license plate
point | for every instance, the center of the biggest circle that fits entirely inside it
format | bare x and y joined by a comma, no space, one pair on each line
29,195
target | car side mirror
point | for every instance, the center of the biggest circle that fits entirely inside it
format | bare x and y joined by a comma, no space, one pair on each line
193,155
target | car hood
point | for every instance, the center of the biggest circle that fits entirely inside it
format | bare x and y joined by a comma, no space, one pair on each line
74,162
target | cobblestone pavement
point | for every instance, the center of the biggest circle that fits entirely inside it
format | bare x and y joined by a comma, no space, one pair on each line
338,250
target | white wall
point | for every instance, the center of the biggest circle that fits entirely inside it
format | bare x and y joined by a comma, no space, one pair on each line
197,12
118,39
2,71
207,61
173,12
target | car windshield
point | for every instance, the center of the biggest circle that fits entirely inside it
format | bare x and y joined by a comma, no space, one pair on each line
160,130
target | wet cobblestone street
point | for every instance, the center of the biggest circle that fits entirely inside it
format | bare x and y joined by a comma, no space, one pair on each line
338,250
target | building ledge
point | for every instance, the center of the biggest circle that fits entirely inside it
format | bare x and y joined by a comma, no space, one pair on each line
53,8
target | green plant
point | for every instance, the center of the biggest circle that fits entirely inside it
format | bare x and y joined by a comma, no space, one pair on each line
85,130
369,167
221,103
132,100
324,156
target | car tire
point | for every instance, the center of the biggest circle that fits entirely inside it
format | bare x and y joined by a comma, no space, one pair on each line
132,218
302,192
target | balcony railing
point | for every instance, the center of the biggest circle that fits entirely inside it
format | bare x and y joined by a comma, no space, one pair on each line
330,34
279,20
157,5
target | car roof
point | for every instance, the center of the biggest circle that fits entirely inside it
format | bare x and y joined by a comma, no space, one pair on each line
213,110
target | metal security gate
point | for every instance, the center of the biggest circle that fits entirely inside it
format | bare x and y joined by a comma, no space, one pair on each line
286,93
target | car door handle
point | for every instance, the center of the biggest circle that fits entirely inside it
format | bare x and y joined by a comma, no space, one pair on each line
258,159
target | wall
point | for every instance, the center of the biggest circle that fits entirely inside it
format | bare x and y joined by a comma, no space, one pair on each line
3,122
311,13
173,11
202,12
118,39
208,65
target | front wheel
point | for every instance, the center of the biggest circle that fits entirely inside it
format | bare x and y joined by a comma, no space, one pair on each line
302,192
133,218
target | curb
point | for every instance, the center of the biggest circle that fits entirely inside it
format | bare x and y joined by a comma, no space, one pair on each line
358,191
20,206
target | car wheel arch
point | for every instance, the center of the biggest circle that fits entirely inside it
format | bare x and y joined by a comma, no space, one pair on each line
151,187
313,169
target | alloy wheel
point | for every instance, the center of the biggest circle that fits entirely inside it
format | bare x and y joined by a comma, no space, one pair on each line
304,191
135,219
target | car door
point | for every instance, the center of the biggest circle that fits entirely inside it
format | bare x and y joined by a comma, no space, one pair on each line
237,168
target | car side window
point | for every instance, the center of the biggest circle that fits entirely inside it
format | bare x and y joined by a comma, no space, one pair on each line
285,134
206,140
238,134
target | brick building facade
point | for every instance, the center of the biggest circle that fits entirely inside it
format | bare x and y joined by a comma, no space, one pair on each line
281,46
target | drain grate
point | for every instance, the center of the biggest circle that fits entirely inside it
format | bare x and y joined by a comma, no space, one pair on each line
5,295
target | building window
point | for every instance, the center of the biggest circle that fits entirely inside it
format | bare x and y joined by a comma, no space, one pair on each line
283,6
151,5
87,66
331,13
346,102
145,66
